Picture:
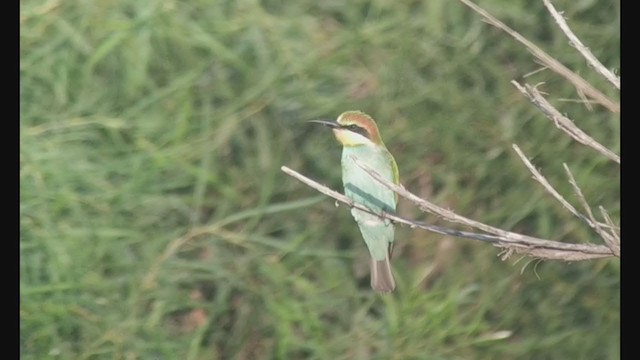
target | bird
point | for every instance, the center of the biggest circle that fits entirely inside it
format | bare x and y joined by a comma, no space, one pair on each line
358,134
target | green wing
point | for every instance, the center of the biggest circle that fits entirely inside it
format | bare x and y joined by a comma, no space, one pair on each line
395,173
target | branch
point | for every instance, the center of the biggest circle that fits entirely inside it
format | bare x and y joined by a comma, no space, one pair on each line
575,42
608,239
547,60
614,230
562,122
543,181
512,242
590,220
450,215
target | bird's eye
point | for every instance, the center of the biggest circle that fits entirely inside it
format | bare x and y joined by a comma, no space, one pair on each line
353,127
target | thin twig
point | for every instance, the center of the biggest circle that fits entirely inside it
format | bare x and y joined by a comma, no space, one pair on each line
589,220
584,100
608,239
562,122
578,101
531,73
607,219
575,42
549,61
547,186
512,242
445,213
613,229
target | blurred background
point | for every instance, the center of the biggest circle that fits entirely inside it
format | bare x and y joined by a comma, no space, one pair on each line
156,223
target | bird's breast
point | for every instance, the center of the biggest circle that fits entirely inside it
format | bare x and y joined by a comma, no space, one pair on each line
359,186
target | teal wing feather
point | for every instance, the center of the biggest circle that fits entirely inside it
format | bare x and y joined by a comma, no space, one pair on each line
363,189
395,172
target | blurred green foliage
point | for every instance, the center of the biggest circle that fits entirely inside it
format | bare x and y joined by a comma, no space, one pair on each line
156,224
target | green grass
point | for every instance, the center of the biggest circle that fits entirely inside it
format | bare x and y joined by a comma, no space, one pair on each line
156,224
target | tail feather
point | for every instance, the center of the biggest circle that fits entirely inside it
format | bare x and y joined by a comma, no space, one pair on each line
381,277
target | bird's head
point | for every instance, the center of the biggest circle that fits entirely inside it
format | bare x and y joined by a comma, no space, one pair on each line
354,128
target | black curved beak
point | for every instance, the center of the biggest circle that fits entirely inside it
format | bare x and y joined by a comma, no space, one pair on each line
330,124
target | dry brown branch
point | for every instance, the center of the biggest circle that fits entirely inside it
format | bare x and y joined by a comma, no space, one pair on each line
562,122
614,230
547,186
511,242
447,214
608,239
589,219
550,62
551,190
575,42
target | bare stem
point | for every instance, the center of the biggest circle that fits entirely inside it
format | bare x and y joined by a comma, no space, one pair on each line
595,225
562,122
511,242
613,229
575,42
550,62
547,186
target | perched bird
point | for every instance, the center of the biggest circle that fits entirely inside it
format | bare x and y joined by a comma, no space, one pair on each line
360,139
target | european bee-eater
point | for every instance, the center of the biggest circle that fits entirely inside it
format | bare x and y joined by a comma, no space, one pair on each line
360,139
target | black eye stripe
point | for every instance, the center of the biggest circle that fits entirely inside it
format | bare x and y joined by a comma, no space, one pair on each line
357,129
